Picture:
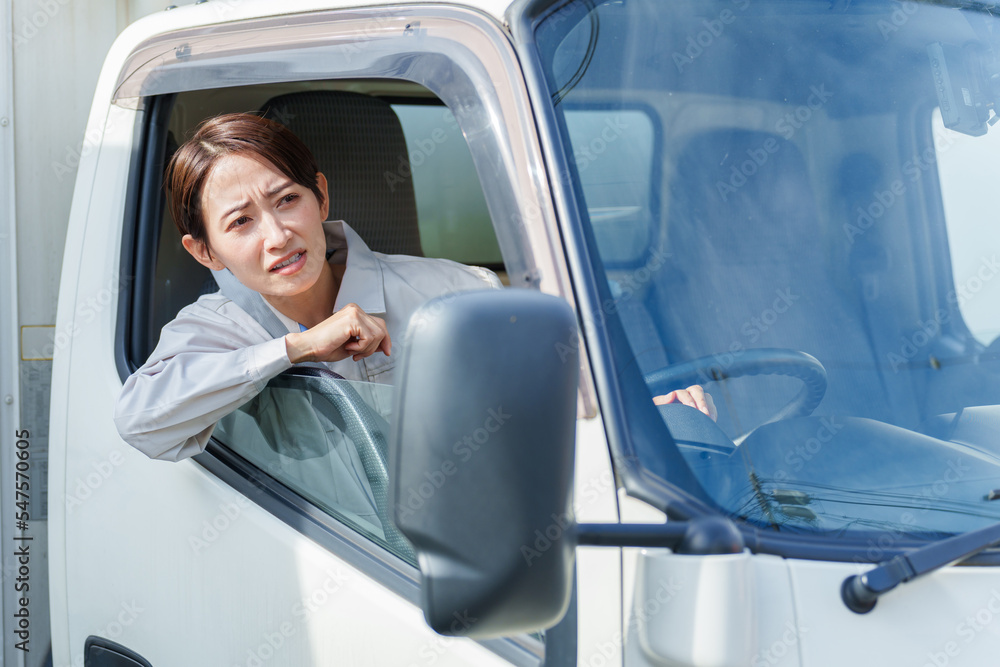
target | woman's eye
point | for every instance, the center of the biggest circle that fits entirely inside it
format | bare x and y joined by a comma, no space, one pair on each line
289,198
239,222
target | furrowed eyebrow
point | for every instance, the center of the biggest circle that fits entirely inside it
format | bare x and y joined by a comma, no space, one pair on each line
275,190
270,193
238,207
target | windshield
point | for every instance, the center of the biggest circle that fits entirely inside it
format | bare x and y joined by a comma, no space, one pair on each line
792,204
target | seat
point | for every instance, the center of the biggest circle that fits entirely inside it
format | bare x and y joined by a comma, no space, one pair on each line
753,268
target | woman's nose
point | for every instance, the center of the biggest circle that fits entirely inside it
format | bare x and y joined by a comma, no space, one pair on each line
274,231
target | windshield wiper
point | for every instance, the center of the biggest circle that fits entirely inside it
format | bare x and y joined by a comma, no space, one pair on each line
860,592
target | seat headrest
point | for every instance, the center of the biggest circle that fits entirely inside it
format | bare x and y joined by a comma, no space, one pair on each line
359,145
746,193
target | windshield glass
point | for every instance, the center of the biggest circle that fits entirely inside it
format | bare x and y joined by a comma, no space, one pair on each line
791,204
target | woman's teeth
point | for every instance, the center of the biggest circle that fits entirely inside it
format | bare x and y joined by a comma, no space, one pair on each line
291,260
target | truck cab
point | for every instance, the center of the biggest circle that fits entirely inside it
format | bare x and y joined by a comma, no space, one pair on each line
787,203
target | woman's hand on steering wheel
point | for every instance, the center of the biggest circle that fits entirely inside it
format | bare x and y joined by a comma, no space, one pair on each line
694,396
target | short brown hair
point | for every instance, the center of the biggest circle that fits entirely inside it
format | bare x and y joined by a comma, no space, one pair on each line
231,134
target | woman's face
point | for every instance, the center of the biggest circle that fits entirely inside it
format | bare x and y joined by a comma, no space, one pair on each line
262,226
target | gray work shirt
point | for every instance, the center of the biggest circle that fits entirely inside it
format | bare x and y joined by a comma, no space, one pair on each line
214,356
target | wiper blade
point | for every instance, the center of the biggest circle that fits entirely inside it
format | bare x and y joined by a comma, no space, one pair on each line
860,592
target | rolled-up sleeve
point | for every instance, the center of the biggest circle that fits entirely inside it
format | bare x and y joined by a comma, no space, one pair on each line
205,366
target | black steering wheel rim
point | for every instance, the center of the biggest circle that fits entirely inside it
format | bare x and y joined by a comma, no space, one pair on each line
757,361
365,427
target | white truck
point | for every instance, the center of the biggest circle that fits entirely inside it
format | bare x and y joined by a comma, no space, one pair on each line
792,204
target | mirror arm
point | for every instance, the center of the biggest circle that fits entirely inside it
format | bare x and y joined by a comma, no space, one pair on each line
667,535
701,536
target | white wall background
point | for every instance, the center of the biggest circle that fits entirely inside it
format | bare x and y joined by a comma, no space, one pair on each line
58,50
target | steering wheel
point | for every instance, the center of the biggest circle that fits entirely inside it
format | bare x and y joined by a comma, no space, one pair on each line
345,408
758,361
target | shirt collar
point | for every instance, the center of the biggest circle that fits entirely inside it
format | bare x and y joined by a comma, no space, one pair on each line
290,324
362,283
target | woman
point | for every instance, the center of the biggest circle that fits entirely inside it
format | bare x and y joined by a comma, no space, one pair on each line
249,202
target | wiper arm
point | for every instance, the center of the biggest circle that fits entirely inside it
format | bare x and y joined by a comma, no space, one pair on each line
860,592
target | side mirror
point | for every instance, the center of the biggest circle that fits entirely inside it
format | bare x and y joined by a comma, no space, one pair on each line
481,465
481,459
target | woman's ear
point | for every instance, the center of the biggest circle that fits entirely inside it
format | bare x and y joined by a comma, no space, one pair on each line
324,206
199,250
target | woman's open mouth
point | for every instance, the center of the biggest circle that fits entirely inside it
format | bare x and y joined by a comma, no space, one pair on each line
290,265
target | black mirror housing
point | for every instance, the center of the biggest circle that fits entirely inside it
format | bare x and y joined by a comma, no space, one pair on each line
481,459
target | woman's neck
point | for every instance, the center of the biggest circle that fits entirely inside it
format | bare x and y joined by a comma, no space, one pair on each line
315,304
